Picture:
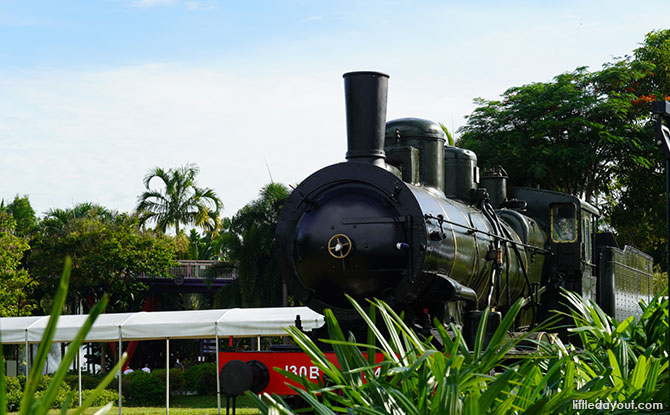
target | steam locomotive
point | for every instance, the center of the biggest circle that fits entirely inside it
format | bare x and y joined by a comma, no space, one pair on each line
410,220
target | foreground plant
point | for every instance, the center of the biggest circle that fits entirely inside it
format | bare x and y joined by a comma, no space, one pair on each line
32,405
416,378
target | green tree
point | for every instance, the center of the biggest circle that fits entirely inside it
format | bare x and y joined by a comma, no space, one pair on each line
200,247
179,201
564,135
15,283
23,214
639,189
587,134
108,250
249,242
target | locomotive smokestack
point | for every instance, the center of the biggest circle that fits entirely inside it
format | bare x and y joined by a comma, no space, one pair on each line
365,96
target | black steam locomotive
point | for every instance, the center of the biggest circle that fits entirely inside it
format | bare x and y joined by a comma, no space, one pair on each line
409,220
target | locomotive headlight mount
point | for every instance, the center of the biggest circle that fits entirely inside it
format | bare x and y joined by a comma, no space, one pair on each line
339,246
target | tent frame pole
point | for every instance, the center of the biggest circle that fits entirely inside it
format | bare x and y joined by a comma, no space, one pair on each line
167,376
27,355
218,379
120,368
79,373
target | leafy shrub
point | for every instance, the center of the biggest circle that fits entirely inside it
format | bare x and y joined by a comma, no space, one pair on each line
145,389
202,378
22,381
61,395
14,393
620,362
104,397
177,382
88,381
14,389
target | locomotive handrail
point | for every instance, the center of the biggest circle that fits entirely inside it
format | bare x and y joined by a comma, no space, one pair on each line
471,229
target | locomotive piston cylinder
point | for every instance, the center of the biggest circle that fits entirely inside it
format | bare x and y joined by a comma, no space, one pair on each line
365,95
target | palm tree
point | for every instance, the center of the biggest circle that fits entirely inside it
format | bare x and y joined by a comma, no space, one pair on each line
180,201
248,241
57,220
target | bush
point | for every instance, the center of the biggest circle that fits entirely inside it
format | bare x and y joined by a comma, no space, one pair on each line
14,393
102,399
63,391
202,378
620,362
145,389
177,383
14,389
88,381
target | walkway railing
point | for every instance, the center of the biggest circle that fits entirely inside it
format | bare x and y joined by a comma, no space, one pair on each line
198,269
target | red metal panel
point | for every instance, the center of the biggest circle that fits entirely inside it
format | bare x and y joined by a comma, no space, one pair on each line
295,362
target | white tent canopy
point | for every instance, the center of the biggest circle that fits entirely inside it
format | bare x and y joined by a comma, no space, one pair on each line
163,325
191,324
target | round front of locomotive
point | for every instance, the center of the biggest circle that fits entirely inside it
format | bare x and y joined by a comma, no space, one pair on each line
349,229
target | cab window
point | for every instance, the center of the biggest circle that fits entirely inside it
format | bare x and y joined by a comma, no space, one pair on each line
586,237
563,223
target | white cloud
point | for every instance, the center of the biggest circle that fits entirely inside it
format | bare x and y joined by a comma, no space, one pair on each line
200,5
73,137
153,3
312,19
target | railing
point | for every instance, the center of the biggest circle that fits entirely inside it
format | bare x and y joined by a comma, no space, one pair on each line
197,269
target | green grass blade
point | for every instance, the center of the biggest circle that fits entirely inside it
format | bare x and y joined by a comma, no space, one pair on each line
66,404
372,315
52,390
342,350
395,337
400,324
45,345
639,374
380,337
318,358
481,333
104,409
101,386
320,408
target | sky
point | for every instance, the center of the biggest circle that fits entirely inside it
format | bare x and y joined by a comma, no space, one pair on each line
96,93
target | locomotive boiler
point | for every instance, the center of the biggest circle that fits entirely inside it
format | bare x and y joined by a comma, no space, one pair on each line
410,220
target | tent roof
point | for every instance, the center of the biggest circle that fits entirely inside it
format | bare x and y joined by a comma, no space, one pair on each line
194,324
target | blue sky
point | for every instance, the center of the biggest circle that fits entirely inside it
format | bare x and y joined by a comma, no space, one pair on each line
93,94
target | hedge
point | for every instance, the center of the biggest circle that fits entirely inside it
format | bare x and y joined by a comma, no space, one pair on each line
139,388
14,388
202,377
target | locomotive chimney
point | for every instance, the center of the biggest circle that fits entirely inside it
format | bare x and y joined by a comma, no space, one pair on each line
365,99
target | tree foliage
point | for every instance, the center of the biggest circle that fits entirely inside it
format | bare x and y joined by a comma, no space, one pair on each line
639,188
15,283
23,214
587,134
108,250
248,240
179,202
